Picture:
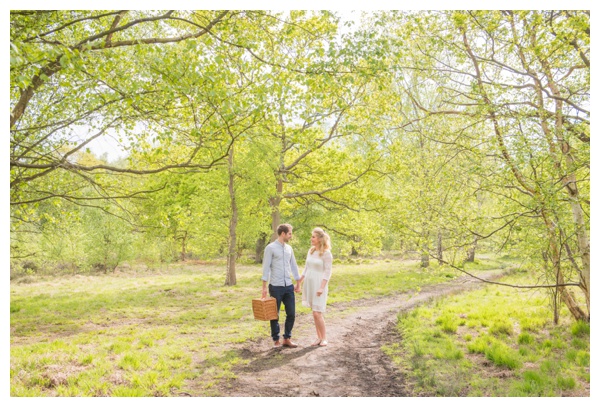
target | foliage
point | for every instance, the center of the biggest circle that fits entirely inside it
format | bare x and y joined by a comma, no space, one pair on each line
438,133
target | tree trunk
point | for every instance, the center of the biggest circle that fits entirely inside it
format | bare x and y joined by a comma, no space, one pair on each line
424,259
440,249
471,251
274,203
233,221
563,154
261,243
425,249
583,240
183,246
554,255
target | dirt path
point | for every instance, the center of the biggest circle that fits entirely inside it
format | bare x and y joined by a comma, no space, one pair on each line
351,365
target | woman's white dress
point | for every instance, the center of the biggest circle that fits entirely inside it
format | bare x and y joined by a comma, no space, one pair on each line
317,269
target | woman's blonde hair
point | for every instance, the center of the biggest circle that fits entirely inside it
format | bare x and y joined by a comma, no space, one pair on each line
324,241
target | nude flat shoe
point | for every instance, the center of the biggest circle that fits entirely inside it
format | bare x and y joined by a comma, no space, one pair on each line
323,342
316,343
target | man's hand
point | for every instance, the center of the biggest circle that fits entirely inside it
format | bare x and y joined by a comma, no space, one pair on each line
264,293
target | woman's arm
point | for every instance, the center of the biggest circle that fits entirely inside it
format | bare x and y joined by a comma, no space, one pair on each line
327,266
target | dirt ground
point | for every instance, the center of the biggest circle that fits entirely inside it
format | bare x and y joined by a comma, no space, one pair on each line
352,365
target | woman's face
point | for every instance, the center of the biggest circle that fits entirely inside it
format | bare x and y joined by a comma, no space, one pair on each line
314,240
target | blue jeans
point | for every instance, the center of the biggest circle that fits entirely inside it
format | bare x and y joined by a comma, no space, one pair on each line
285,295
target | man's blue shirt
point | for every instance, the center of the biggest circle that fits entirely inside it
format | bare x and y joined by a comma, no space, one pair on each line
278,263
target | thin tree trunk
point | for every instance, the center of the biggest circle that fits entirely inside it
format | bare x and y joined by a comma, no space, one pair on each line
183,246
424,248
424,258
261,243
565,295
583,239
233,221
274,202
440,249
425,254
471,251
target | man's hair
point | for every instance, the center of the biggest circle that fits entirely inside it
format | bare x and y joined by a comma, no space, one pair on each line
283,228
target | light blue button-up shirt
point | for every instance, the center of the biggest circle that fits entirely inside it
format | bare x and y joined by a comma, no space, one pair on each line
278,262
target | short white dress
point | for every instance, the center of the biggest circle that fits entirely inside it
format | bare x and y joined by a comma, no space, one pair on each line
317,269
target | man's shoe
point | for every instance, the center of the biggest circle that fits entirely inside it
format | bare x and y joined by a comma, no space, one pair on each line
289,344
277,344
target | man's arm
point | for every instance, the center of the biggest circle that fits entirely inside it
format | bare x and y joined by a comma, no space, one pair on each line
266,265
294,266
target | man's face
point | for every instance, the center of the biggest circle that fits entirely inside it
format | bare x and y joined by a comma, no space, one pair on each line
287,236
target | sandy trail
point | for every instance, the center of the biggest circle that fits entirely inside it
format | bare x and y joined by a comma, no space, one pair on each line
352,365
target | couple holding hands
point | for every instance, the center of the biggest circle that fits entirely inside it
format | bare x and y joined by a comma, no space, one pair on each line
278,263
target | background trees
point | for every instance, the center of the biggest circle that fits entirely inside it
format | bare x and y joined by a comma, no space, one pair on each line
523,76
437,133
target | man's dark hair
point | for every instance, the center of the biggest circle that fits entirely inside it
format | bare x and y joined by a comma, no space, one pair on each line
283,228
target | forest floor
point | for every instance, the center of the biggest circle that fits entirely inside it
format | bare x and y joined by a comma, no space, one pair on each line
352,365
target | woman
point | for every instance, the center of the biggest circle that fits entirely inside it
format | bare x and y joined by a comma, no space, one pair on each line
317,273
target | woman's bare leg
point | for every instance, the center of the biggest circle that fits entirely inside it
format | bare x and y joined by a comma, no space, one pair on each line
320,325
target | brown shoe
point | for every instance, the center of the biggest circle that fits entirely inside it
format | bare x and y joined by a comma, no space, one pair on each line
289,344
277,344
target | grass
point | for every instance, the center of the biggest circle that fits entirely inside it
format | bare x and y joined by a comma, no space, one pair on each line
143,334
158,333
174,331
510,346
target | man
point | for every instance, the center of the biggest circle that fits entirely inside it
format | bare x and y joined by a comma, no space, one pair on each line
278,262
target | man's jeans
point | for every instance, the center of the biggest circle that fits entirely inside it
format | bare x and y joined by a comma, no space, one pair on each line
285,295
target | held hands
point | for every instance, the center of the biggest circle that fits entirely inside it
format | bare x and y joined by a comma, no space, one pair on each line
297,288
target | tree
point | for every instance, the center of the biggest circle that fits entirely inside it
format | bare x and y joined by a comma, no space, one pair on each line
525,75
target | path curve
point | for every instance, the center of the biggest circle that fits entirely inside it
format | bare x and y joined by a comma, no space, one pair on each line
352,365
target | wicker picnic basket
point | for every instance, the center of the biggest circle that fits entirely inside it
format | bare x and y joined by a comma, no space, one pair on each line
265,309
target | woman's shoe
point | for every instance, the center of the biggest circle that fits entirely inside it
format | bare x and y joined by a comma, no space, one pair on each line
316,343
323,342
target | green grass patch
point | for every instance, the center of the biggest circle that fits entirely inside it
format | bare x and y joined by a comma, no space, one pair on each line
580,329
159,333
504,344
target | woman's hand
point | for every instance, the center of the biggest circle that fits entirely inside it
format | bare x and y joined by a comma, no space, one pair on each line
319,292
